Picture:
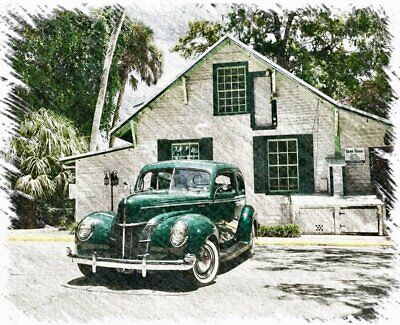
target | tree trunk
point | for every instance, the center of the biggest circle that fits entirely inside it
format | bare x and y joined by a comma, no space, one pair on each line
121,94
103,83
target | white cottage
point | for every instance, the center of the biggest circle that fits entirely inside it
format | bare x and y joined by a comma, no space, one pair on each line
305,157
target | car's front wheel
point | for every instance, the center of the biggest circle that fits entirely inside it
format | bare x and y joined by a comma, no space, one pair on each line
206,266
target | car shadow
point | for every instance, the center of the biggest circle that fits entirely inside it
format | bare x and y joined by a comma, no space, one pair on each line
166,281
158,281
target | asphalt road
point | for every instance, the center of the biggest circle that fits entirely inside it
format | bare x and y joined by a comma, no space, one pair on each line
323,283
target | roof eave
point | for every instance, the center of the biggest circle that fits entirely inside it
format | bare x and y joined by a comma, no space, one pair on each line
268,61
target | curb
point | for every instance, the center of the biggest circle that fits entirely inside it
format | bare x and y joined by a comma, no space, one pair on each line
358,243
261,241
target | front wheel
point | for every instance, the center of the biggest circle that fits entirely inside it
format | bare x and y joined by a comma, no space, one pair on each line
206,266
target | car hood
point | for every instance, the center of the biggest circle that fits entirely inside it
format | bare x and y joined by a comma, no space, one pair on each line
142,207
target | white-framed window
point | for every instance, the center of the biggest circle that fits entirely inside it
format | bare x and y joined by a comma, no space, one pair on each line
187,150
231,89
283,165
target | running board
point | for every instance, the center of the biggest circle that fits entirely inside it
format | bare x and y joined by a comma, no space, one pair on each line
233,251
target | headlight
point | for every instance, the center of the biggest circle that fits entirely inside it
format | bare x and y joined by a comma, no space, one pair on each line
179,234
85,230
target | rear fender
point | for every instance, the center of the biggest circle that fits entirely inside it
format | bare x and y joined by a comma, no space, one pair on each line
246,221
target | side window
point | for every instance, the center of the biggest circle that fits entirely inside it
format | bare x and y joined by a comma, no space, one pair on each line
225,183
241,186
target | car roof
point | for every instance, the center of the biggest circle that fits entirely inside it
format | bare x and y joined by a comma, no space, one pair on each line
209,165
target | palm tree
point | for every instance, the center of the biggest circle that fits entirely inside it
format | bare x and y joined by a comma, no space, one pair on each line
44,137
103,82
138,55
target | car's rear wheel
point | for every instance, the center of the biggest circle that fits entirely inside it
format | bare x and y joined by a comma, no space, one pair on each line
206,266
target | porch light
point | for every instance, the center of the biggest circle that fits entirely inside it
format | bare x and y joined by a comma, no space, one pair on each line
106,178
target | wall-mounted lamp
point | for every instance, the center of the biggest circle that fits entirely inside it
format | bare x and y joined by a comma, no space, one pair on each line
111,178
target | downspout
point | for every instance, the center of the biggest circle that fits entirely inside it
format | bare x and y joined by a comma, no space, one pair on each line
336,132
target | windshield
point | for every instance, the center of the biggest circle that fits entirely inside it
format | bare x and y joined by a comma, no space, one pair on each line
174,179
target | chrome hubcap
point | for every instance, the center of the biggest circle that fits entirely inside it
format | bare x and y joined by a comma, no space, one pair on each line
205,262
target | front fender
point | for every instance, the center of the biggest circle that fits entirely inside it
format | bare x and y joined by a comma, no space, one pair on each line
246,220
199,229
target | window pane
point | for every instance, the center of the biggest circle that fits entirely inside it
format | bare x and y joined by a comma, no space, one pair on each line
282,165
292,146
283,171
293,184
292,158
283,184
293,171
272,146
273,184
282,145
188,150
282,158
231,84
273,159
273,172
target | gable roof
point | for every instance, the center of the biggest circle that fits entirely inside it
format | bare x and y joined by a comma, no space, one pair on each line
264,59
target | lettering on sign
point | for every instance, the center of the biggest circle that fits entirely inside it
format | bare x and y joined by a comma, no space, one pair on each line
354,155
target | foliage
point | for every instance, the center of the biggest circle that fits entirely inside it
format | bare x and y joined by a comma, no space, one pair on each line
289,230
137,54
59,58
344,54
72,227
45,137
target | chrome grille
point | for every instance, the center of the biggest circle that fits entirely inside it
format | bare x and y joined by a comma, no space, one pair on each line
144,242
132,237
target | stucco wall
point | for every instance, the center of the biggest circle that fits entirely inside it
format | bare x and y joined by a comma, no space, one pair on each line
89,189
299,112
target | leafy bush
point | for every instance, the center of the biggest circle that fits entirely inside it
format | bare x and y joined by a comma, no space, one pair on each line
289,230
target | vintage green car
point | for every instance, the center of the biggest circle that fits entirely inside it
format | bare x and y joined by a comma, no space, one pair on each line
183,215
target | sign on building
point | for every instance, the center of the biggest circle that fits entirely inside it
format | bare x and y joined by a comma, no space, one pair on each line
354,155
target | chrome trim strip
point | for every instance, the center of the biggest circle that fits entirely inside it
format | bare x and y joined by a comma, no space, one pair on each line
132,224
193,203
143,265
123,228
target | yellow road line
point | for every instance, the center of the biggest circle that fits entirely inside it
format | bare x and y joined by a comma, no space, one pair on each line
258,242
41,238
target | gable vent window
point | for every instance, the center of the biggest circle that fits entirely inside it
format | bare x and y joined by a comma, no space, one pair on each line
189,150
230,88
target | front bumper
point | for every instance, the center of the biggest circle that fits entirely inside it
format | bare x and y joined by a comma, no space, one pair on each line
143,265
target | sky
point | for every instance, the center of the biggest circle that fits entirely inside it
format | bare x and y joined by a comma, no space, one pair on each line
169,19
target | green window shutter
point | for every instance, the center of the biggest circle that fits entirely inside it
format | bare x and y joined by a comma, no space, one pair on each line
163,149
206,148
306,163
215,91
259,155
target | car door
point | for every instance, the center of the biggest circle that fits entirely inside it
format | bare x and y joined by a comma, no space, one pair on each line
240,198
224,205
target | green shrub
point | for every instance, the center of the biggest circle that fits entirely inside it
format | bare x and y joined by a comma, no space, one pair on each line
289,230
72,227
